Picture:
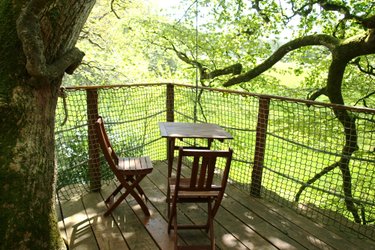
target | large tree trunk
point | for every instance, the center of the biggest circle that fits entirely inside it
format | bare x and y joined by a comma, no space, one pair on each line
37,40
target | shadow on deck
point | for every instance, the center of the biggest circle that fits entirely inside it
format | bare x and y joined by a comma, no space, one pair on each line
242,222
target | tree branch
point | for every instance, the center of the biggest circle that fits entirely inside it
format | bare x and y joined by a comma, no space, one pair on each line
260,11
370,70
234,69
369,22
328,6
323,40
316,94
306,9
29,32
363,99
113,9
315,178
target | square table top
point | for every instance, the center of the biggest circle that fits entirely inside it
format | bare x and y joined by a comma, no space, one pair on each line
193,130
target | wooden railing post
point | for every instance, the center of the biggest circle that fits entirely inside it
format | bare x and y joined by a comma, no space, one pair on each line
93,145
170,102
260,146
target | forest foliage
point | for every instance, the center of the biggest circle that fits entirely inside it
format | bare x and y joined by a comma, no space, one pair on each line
144,41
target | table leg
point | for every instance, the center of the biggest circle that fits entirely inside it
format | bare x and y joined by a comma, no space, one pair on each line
170,154
209,143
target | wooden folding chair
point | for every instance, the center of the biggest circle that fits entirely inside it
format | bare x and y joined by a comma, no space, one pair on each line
128,170
200,185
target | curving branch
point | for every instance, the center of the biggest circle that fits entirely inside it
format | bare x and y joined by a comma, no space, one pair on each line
183,57
318,93
324,40
329,6
29,32
368,22
85,34
363,99
306,8
369,70
256,6
234,69
113,9
315,178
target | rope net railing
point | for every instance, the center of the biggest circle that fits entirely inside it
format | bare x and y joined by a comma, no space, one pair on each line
292,152
131,115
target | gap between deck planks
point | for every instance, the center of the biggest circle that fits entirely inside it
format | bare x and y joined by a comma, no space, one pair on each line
242,222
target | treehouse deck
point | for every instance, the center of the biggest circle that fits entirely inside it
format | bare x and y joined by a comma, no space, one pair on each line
242,222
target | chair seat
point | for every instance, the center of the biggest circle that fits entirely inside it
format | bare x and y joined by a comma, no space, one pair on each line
135,165
185,193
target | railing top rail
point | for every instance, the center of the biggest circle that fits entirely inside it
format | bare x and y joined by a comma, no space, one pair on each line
92,87
264,96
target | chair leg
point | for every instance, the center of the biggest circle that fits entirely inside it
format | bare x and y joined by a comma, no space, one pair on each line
168,200
211,224
212,234
172,217
138,187
114,193
129,190
209,214
175,231
135,185
114,205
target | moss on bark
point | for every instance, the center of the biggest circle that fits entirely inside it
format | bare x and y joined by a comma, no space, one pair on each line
27,171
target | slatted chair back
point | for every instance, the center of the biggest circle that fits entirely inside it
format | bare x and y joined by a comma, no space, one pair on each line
202,182
105,144
200,185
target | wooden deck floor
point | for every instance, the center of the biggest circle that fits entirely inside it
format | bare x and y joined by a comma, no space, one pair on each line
242,222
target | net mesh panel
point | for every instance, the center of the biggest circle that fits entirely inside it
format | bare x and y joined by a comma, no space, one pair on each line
303,144
224,109
131,115
71,143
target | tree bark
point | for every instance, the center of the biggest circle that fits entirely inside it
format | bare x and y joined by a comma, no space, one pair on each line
38,39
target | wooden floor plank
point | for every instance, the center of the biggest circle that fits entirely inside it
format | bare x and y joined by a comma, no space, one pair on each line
157,228
77,226
106,231
308,233
282,233
242,222
338,239
133,230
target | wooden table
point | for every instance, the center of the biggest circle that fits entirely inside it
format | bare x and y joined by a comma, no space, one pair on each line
180,130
